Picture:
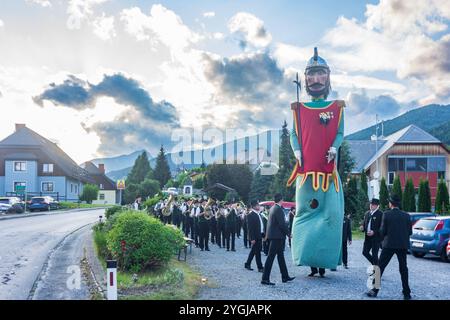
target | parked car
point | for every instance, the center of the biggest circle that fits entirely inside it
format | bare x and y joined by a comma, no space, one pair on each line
43,203
11,205
448,249
172,190
431,236
286,205
416,216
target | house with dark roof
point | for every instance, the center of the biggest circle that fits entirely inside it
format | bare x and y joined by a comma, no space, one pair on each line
107,189
408,153
30,161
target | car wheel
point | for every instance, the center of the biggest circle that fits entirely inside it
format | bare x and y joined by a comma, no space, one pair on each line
418,254
444,256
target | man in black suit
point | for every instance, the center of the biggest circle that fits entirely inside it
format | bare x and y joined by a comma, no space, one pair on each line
255,229
277,231
371,228
395,231
230,226
346,238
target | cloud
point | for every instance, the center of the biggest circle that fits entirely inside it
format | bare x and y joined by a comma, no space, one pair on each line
403,37
43,3
79,11
250,30
145,123
79,94
360,103
161,26
209,14
104,27
253,83
1,23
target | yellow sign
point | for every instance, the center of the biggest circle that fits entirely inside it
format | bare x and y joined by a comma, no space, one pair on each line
121,184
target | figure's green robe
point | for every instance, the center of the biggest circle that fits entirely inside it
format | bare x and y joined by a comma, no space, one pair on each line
317,232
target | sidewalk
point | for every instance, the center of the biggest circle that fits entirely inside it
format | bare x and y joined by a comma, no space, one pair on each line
44,213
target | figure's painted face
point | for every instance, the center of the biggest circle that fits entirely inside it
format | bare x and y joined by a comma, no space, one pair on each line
317,81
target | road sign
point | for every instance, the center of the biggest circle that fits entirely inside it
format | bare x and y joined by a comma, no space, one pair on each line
20,189
120,184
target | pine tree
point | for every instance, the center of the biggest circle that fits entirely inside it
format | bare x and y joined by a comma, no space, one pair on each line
364,185
351,197
442,198
397,188
428,196
384,195
286,165
259,190
162,169
141,169
424,204
346,162
409,199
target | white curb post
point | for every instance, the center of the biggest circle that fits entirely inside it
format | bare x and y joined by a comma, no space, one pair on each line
111,279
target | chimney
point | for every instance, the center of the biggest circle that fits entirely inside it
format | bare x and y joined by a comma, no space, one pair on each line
20,126
101,167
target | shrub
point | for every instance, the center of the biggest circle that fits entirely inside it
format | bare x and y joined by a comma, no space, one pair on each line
151,202
90,193
147,242
100,242
112,211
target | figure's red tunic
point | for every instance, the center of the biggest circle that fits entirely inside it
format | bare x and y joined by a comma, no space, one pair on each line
318,127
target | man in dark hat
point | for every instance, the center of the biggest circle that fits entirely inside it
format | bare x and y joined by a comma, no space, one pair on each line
371,228
277,231
395,231
255,231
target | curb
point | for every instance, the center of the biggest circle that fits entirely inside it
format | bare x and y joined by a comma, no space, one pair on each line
94,265
29,215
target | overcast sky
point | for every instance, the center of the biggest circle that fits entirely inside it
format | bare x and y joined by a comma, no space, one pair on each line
108,77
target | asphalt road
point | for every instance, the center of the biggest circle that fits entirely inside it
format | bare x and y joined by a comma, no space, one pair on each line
227,278
47,248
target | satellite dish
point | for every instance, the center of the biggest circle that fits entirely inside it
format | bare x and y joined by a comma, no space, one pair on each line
376,174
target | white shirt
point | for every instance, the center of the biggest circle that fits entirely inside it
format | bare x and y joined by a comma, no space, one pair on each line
369,225
260,222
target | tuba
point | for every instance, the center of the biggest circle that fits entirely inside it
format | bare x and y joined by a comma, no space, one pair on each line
166,209
208,210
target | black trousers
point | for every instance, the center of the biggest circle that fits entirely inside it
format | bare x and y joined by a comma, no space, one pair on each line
255,252
190,228
196,233
238,227
203,235
385,257
177,220
276,248
344,253
266,246
220,236
370,250
213,229
246,241
230,236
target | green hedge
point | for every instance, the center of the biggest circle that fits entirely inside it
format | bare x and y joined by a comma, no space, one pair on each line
147,242
111,211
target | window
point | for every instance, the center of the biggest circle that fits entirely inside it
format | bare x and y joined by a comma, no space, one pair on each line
396,164
18,184
47,186
101,186
391,177
416,164
101,196
76,189
20,166
47,168
441,175
71,188
436,164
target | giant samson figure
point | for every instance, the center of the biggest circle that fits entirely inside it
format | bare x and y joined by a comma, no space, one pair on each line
317,134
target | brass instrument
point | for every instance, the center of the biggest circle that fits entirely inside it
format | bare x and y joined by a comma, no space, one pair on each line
166,209
208,211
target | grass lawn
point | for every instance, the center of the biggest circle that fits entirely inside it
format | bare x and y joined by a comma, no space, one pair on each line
176,281
73,205
357,235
